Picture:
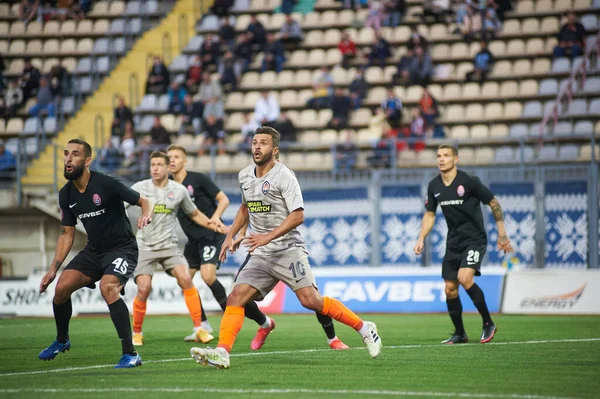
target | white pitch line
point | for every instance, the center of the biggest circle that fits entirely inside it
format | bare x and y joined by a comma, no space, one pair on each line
246,354
285,391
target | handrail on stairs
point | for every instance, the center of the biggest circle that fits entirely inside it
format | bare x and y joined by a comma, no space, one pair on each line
167,48
182,31
99,120
134,88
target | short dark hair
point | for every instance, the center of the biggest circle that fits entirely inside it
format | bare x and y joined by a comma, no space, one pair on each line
449,147
271,132
174,147
160,154
87,149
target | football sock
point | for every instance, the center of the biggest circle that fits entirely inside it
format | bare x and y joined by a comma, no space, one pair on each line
139,312
219,293
120,318
336,310
327,323
192,301
478,298
62,316
455,312
203,316
254,313
231,324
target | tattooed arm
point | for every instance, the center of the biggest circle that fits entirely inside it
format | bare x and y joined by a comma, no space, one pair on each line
63,246
503,241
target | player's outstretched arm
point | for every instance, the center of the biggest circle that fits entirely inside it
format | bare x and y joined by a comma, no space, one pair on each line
147,212
426,226
241,220
222,204
293,220
63,246
203,220
240,237
503,241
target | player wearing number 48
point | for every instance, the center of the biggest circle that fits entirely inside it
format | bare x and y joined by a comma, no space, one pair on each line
459,195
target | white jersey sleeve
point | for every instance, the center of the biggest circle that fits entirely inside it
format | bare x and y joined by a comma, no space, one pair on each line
290,190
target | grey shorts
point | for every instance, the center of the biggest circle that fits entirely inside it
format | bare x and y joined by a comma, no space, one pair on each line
263,273
167,258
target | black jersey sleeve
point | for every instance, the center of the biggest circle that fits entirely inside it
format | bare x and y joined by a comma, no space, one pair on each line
208,186
120,190
480,191
431,201
67,218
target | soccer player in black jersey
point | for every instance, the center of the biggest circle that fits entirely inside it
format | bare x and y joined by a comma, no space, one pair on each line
110,255
459,195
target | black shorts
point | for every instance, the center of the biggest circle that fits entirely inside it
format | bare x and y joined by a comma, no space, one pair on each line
120,262
470,258
200,252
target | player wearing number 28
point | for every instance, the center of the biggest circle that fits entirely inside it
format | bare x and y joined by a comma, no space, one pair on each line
272,203
111,253
158,243
459,196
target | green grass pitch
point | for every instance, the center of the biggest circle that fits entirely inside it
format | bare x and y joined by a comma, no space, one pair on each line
530,358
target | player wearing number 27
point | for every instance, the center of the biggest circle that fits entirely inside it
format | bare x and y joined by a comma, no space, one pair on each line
272,203
459,195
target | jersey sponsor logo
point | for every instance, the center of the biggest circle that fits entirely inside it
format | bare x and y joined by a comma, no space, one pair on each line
266,187
91,214
258,207
561,301
162,209
190,190
452,202
97,200
460,190
171,195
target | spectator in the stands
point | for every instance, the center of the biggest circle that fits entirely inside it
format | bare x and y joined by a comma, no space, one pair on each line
359,89
258,31
209,52
248,128
346,152
7,159
266,109
461,10
2,69
416,39
212,124
82,8
471,25
127,145
121,115
286,128
392,108
109,157
375,15
191,114
14,98
380,50
209,89
243,51
227,34
44,100
482,65
176,95
158,77
29,10
571,38
404,67
438,9
348,49
221,7
421,70
491,24
355,4
158,133
230,71
194,74
501,7
64,9
60,81
341,106
291,32
30,80
395,11
287,6
274,57
428,106
417,124
322,89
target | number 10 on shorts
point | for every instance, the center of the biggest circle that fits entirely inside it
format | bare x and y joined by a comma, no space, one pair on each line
120,266
297,269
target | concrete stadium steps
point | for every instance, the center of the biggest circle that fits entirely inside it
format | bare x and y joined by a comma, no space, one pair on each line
100,103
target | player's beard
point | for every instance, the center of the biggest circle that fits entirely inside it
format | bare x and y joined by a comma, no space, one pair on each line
75,174
265,159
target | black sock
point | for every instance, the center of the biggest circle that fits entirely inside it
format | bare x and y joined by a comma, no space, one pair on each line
455,312
120,318
479,301
219,293
62,316
327,323
252,312
202,312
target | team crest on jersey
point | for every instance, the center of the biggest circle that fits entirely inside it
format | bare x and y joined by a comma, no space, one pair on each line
460,191
97,200
171,195
266,187
190,189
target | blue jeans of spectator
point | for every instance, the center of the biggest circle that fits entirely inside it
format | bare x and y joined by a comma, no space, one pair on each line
373,58
37,108
576,51
175,108
429,119
392,19
347,162
245,64
278,60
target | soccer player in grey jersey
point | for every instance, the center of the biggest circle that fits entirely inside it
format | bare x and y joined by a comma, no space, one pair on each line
273,205
158,244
